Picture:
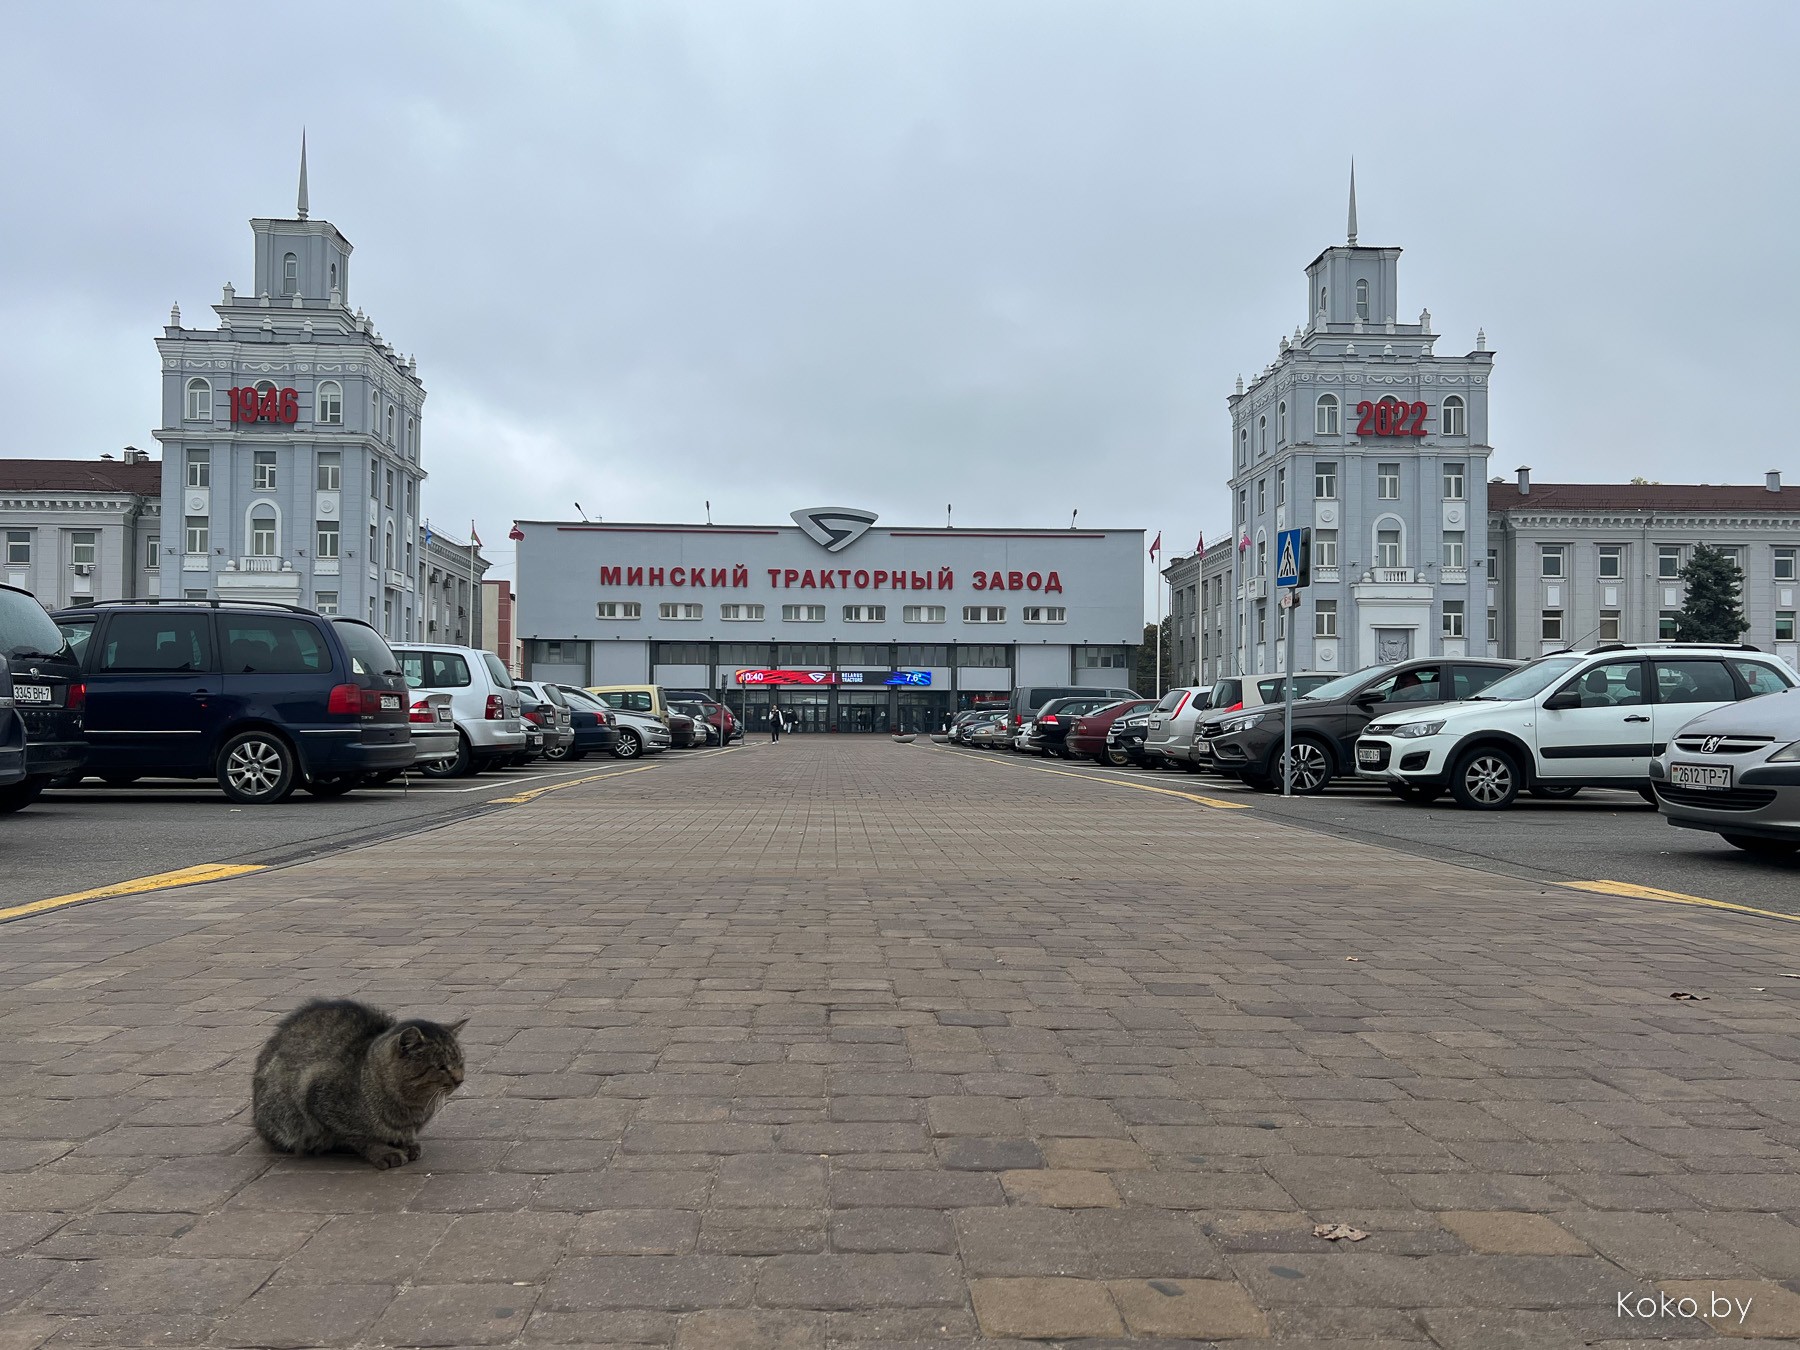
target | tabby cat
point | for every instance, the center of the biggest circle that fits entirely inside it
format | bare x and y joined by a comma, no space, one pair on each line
337,1074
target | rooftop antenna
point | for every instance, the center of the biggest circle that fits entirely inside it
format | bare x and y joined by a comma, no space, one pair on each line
947,524
1072,515
1352,229
582,514
709,513
301,207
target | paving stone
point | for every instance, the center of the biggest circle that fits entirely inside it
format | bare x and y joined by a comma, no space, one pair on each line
290,1317
461,1314
1062,1188
1091,1243
751,1330
1045,1309
187,1286
762,1232
860,1281
892,1230
1513,1233
765,1181
635,1232
1095,1155
669,1283
988,1155
498,1248
366,1248
1199,1309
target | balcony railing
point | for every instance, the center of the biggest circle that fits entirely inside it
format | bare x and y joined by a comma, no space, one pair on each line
259,563
1395,576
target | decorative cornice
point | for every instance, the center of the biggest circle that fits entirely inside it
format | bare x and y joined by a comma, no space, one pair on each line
1642,520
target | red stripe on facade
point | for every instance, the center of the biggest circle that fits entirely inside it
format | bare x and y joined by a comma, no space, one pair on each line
666,529
978,534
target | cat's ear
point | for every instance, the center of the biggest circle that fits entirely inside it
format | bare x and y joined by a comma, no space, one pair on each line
411,1040
456,1027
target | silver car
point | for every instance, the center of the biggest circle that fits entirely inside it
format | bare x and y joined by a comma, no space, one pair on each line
1736,771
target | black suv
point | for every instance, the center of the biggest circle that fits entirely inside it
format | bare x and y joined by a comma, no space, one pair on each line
262,696
1328,719
47,694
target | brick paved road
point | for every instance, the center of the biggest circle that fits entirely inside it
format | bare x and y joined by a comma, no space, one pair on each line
843,1043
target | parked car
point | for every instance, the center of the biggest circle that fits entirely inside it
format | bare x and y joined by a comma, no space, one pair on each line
1051,727
1328,721
12,736
264,697
1170,733
718,714
596,731
698,714
1564,722
1024,736
1125,737
1027,699
532,718
964,720
991,732
1088,735
482,699
48,696
1236,693
684,731
433,726
639,733
646,699
552,715
1736,771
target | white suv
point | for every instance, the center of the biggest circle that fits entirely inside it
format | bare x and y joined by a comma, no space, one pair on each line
483,703
1562,723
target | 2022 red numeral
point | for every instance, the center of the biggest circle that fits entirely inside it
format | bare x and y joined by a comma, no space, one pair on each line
249,404
1390,418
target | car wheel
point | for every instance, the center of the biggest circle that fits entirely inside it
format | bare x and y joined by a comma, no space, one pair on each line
1311,767
333,784
1485,779
460,767
1545,792
1766,848
256,768
1417,795
21,795
630,745
557,753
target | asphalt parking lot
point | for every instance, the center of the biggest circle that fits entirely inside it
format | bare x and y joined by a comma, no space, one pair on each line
1600,836
79,839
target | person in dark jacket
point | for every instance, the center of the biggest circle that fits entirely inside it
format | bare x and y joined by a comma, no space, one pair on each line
777,723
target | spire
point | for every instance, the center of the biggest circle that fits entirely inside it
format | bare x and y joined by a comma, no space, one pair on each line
1352,231
303,188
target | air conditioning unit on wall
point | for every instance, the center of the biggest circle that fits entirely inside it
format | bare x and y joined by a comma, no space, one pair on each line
84,569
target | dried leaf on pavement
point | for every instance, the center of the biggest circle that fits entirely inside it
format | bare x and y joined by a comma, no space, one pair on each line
1336,1232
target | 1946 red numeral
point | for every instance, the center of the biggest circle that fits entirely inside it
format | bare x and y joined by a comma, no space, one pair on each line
1390,417
249,404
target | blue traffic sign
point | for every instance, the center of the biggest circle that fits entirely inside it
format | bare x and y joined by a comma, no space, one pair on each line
1287,558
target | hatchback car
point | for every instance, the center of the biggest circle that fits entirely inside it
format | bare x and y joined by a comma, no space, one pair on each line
1125,738
596,731
545,705
1237,693
1087,738
1736,771
48,695
1050,729
1170,734
264,697
483,702
697,713
640,733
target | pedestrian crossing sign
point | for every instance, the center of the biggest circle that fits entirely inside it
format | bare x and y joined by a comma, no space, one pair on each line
1288,558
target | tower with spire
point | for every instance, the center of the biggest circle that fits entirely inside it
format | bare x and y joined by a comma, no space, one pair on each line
1362,431
304,485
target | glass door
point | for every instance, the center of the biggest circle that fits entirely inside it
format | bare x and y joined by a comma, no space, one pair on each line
864,710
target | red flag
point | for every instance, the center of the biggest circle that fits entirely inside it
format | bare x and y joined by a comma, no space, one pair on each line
1200,543
515,534
473,535
1156,546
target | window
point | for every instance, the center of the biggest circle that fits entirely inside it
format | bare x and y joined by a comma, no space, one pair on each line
1550,625
865,613
1099,658
374,543
1325,480
1784,625
1453,549
741,613
435,670
1325,548
1243,505
374,481
743,653
374,410
923,614
18,548
326,539
198,535
1324,618
1668,562
1322,294
330,472
1609,625
409,485
271,645
165,642
1550,560
1262,557
1388,482
1493,627
984,613
262,471
803,654
913,655
390,490
1262,435
1453,482
1325,415
81,547
290,275
334,284
1362,299
618,609
872,654
676,654
1262,495
199,468
262,532
1281,487
1759,678
1612,562
390,425
1666,622
803,614
1243,447
331,403
1281,422
1453,420
1046,614
1694,681
1388,552
1453,618
199,402
1262,620
412,438
326,602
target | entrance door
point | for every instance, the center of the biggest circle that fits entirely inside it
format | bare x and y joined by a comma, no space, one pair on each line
1393,644
807,709
862,710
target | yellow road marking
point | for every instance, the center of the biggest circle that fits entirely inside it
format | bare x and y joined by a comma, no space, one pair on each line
1217,803
535,793
186,876
1635,892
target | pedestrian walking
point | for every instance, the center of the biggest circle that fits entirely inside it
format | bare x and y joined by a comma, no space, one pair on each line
777,723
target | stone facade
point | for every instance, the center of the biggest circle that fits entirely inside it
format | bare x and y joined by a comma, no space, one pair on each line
1182,577
451,587
76,531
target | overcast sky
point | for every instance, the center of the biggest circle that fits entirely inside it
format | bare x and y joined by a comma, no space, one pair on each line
896,255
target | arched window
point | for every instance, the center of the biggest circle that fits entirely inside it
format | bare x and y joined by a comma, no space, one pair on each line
1244,446
1262,435
265,387
334,276
1325,415
199,401
412,437
262,531
1362,299
290,275
331,403
1281,422
374,411
390,426
1321,299
1390,542
1454,421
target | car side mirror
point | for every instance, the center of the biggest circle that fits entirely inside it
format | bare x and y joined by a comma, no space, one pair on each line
1562,700
1367,701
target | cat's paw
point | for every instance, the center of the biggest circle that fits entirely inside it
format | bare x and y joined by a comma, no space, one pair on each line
413,1151
385,1157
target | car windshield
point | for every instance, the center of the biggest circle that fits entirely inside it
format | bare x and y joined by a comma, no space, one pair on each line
586,702
26,628
1343,684
368,650
1529,681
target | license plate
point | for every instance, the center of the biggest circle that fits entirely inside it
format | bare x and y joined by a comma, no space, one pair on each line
443,714
1203,750
31,693
1367,755
390,703
1709,777
1155,722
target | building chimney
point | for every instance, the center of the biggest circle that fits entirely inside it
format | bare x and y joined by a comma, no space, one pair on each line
1524,480
1772,480
133,455
107,457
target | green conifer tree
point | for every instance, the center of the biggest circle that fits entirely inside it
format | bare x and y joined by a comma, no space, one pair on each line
1713,611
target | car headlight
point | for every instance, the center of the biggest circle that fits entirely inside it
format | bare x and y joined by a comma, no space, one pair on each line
1242,723
1408,731
1786,755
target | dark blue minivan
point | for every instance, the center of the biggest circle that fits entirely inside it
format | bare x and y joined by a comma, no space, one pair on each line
264,697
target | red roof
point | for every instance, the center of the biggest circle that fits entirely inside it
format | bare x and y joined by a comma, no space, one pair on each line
1505,496
81,475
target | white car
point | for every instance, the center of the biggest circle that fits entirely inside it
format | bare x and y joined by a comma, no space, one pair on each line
639,733
1564,722
483,702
